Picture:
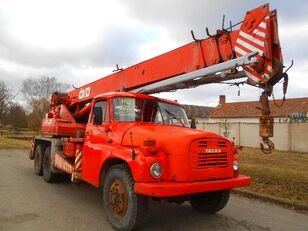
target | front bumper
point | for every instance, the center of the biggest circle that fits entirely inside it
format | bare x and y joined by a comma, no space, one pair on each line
170,189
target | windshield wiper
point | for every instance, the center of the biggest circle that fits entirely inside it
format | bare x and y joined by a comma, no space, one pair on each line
174,117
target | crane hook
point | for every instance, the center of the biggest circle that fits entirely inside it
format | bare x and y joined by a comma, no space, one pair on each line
270,146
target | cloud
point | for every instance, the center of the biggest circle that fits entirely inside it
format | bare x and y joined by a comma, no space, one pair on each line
115,44
81,41
209,94
178,17
77,44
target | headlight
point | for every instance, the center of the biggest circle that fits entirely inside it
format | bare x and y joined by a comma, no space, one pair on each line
235,165
156,170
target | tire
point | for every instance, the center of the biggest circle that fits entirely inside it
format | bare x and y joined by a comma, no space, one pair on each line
38,159
49,176
125,210
210,202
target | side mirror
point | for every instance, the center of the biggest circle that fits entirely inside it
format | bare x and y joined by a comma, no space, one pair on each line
193,124
97,115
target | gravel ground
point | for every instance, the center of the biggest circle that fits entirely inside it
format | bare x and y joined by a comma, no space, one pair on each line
28,203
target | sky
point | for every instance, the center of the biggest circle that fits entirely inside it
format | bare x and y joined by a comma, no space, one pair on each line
81,41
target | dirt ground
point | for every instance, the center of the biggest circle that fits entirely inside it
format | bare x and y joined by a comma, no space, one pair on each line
28,203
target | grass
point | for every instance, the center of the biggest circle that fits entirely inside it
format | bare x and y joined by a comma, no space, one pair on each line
281,175
6,142
12,139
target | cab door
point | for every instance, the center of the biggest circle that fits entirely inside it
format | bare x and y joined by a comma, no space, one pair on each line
96,135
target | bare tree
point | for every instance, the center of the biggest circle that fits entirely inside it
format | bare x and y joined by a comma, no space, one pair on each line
15,116
5,98
37,92
40,108
226,127
41,88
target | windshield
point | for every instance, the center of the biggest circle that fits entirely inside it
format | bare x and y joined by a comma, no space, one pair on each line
127,109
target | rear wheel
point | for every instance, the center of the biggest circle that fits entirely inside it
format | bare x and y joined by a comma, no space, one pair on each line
210,202
38,159
125,209
49,176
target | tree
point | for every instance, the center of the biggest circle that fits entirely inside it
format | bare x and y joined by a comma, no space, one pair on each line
5,99
40,107
16,116
41,88
36,93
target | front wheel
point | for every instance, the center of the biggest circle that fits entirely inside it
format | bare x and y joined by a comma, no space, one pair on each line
210,202
125,209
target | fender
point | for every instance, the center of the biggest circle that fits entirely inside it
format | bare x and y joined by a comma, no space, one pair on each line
111,155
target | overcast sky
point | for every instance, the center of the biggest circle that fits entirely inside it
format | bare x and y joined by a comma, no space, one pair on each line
81,41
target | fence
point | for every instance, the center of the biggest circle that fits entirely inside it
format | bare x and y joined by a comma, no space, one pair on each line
287,136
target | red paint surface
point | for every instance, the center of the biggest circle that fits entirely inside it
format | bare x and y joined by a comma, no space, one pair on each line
169,189
178,149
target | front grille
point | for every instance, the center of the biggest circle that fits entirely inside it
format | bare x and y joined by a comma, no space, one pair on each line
222,144
202,144
209,154
212,160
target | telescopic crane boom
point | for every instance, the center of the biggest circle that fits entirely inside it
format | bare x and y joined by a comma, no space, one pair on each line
254,46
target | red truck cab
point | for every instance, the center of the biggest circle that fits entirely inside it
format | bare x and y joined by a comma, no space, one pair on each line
137,147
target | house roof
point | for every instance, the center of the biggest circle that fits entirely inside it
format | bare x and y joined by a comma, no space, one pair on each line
249,109
194,111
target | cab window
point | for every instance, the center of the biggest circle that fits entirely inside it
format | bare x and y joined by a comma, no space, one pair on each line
101,112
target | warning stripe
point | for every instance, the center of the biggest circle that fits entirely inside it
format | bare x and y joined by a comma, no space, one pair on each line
243,47
252,39
260,29
239,51
251,74
259,33
256,36
78,167
242,50
255,41
78,157
266,76
78,160
262,25
249,46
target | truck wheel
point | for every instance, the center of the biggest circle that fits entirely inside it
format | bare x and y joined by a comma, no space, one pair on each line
125,209
38,159
47,173
210,202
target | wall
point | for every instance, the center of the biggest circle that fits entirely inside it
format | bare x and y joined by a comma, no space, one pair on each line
241,120
287,136
235,120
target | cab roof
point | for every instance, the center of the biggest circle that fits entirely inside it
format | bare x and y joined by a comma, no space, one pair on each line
134,95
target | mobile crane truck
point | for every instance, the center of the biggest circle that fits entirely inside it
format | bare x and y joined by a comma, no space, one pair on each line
135,146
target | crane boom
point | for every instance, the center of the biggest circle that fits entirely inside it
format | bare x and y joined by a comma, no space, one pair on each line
258,33
254,46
